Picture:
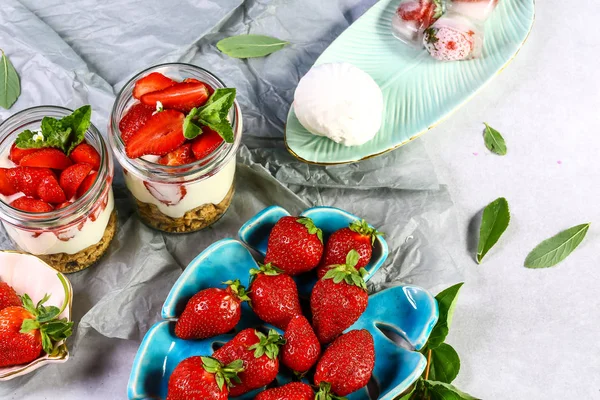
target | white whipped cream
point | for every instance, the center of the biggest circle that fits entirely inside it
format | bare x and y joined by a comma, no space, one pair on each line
174,200
341,102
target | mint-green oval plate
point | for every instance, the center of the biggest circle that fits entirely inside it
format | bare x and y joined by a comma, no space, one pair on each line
418,91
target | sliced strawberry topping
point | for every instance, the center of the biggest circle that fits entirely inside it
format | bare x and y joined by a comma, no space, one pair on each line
17,154
206,143
180,156
27,179
86,184
47,158
86,154
63,205
50,191
194,80
169,194
162,134
136,117
6,188
181,96
151,83
31,205
72,177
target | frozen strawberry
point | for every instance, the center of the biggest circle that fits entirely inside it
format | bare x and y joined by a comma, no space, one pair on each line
181,96
31,205
136,117
27,179
206,143
86,154
151,83
47,158
162,134
8,296
72,177
423,12
180,156
86,184
50,191
16,154
6,188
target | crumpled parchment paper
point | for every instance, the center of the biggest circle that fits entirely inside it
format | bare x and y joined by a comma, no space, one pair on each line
75,53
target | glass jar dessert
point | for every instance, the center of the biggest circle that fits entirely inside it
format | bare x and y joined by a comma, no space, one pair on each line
175,129
56,199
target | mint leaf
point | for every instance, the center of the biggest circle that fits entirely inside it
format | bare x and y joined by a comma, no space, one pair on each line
444,391
445,363
10,86
214,113
446,303
190,129
494,222
552,251
494,141
64,134
247,46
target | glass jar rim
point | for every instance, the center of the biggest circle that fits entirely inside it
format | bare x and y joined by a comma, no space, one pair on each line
79,207
199,169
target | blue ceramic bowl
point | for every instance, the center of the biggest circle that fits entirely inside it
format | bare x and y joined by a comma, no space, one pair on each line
405,312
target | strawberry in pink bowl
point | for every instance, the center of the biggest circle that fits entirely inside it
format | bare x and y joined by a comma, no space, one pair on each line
175,129
56,198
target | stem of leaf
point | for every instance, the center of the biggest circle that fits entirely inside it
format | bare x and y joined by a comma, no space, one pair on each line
428,364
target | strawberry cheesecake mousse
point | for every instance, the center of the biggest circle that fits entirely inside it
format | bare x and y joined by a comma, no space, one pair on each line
56,199
175,129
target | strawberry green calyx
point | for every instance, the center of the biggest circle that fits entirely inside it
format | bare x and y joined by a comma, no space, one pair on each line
324,393
439,8
268,344
224,374
430,37
238,289
347,272
362,227
266,269
52,329
311,227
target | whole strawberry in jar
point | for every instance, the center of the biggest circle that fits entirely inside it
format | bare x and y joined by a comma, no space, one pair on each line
413,17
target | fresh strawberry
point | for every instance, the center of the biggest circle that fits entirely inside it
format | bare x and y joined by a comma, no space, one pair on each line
31,205
338,299
162,134
27,179
180,156
72,177
206,143
151,83
273,296
302,348
6,188
181,96
202,378
8,296
211,312
136,117
194,80
63,205
358,236
259,354
47,158
86,184
50,191
291,391
295,245
16,154
346,365
23,333
86,154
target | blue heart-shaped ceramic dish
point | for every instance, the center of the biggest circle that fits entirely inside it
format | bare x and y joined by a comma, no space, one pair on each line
408,312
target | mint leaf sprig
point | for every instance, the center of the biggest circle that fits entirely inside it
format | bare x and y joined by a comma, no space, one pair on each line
213,115
64,134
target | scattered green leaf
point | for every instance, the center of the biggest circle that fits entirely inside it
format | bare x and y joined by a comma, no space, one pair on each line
10,85
213,114
248,46
444,364
408,395
552,251
446,303
494,222
494,140
445,391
